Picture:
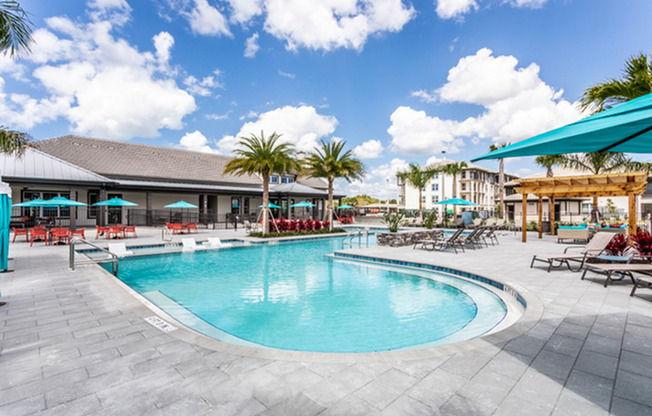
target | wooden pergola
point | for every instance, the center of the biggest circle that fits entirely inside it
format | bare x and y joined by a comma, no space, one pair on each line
629,184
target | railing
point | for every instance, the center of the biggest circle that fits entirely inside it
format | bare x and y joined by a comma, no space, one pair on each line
113,258
349,240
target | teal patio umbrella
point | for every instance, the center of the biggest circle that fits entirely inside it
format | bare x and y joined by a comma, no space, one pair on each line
181,204
456,201
5,219
33,203
345,206
59,202
115,202
302,204
624,128
270,205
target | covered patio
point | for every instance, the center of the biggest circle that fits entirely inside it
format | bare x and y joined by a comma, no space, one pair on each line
630,184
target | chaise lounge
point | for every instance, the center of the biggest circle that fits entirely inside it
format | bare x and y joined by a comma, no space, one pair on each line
595,247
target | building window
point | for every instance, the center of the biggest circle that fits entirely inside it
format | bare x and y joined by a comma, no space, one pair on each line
463,175
423,198
435,187
92,197
435,199
436,176
464,187
287,179
273,179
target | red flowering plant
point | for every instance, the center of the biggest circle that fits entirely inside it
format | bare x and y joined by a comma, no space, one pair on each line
643,243
618,245
317,225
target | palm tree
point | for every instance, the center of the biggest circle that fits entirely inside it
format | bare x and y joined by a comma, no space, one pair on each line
15,28
501,176
261,156
636,82
12,141
453,169
330,162
418,178
549,162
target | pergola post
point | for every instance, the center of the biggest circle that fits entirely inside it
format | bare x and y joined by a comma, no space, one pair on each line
524,214
540,216
632,213
551,201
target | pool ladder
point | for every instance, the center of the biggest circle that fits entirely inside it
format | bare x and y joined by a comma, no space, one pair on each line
350,240
113,258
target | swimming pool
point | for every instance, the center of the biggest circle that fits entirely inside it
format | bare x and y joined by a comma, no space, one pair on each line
291,296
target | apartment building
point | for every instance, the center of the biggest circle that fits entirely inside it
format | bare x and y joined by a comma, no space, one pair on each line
475,183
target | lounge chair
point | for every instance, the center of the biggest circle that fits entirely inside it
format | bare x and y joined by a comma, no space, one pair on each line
120,250
641,281
595,247
189,244
215,242
470,240
451,242
490,234
622,269
434,241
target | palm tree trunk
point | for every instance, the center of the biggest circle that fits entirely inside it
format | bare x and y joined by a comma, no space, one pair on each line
266,204
420,206
454,196
330,204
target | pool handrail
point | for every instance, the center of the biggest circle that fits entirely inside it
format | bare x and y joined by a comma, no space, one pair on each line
113,259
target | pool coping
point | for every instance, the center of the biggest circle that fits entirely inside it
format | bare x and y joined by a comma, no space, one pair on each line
531,315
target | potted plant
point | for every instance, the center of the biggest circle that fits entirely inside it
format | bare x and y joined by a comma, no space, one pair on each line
394,221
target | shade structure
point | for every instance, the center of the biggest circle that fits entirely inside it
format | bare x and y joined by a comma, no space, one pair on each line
181,204
457,201
345,206
60,201
624,128
270,205
115,202
30,204
302,204
5,219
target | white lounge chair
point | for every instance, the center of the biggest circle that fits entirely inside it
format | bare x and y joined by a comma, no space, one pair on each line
215,242
189,244
120,250
595,247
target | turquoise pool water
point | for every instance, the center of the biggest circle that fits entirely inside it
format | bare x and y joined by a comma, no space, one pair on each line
291,296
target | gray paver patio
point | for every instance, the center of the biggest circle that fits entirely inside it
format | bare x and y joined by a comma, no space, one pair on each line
76,343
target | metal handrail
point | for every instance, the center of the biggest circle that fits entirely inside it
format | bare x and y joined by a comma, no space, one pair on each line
348,239
114,259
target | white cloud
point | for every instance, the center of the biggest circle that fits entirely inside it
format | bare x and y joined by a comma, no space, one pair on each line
163,42
533,4
286,74
245,10
218,116
330,24
517,104
370,149
375,183
251,46
424,95
413,132
197,142
448,9
301,126
205,19
103,85
204,86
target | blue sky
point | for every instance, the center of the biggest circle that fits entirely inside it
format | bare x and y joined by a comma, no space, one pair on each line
399,81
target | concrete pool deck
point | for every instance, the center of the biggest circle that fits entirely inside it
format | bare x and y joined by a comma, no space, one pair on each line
77,343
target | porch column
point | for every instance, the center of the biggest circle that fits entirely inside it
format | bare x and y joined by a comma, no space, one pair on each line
148,208
632,213
524,215
540,216
73,210
551,200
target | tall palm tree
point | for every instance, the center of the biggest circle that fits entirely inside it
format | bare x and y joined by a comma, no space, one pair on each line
263,156
15,28
636,82
329,161
453,169
549,162
418,178
501,176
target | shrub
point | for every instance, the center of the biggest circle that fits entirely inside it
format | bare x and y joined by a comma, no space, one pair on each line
618,245
394,221
643,243
429,219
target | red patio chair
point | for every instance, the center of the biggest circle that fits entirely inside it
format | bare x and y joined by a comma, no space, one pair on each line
192,226
20,231
113,230
38,233
78,233
100,231
60,234
129,229
177,228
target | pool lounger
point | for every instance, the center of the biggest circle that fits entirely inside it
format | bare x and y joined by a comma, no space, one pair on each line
624,269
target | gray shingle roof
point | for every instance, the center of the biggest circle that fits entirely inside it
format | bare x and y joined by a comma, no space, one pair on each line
36,165
137,161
